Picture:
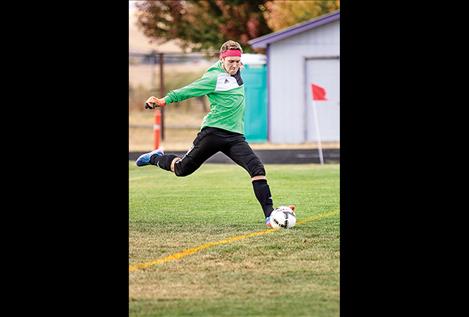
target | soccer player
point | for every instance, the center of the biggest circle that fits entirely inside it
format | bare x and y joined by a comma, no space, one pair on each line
222,128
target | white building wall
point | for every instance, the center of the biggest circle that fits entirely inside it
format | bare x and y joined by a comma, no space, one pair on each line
287,83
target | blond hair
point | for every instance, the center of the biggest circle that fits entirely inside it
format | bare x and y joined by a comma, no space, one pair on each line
230,45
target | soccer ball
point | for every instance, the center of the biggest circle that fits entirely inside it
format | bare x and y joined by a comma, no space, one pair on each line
282,217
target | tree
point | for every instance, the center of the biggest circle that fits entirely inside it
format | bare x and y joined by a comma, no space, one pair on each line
283,13
203,25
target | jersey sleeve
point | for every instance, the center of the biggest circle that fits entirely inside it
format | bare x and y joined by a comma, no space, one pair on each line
201,87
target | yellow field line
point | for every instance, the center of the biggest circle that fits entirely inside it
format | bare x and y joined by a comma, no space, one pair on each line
184,253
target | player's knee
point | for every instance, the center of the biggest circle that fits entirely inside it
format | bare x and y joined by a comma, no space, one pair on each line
180,173
257,169
182,170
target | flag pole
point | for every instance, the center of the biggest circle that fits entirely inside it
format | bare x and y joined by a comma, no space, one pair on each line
316,124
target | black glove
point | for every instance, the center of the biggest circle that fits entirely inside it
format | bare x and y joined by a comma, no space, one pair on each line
150,105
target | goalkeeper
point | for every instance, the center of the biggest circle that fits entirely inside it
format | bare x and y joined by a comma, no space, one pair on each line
222,128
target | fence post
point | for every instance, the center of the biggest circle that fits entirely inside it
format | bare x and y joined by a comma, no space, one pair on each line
162,91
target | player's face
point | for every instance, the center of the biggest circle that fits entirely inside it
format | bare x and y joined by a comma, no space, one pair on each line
231,64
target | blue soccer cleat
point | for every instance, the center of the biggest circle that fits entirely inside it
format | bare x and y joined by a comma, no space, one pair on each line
267,222
144,159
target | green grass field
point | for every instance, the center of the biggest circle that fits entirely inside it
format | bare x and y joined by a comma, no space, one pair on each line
291,272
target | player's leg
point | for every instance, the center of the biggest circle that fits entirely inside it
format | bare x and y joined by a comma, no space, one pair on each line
203,147
147,158
242,154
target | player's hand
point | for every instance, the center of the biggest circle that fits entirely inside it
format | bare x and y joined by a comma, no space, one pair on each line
154,102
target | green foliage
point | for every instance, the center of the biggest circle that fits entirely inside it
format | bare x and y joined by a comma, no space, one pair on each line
203,25
206,25
281,14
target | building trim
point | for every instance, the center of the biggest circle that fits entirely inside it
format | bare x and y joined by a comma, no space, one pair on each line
263,41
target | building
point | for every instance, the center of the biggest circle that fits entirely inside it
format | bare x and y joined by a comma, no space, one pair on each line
297,57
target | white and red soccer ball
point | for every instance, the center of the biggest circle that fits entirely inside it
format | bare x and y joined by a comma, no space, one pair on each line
283,217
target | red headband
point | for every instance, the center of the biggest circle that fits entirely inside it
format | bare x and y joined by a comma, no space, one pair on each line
230,53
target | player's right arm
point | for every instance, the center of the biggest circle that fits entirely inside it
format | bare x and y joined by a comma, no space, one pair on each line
201,87
153,102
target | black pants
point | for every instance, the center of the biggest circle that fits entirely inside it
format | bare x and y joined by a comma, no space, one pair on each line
209,141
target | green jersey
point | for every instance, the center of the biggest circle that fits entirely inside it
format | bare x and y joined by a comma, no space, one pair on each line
226,96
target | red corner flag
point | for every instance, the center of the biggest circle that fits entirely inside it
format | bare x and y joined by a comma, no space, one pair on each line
319,93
